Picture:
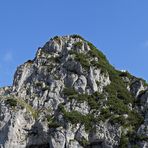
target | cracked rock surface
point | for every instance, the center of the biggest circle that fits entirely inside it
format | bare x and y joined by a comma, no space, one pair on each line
69,96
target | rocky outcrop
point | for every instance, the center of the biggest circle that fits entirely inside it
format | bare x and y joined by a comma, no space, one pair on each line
70,96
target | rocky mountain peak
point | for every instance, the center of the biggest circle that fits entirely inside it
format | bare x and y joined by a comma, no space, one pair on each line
63,58
70,96
60,45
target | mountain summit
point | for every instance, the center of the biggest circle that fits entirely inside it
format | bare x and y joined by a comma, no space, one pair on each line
70,96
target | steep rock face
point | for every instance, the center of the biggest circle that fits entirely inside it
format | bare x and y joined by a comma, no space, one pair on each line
70,96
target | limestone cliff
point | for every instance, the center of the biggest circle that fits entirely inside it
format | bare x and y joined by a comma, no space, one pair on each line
69,96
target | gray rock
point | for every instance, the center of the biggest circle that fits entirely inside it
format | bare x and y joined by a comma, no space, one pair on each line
36,112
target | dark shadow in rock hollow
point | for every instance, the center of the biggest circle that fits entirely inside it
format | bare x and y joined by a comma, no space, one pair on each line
37,137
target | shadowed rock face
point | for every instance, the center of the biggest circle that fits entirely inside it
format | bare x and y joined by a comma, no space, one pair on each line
39,146
70,96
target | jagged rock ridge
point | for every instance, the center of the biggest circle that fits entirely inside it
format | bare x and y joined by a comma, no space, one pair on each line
70,96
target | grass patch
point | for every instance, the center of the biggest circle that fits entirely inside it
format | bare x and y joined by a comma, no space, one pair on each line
14,101
28,107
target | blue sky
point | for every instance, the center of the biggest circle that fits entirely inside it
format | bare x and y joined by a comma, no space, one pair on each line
118,27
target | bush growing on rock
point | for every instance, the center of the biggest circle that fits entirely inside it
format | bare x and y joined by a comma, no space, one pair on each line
12,102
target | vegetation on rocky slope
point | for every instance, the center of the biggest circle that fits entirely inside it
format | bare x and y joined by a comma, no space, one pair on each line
71,86
119,100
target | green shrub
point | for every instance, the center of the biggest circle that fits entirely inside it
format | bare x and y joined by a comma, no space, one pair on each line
94,52
38,84
61,107
57,60
12,102
98,95
77,36
55,37
54,60
92,100
69,92
123,141
105,113
134,139
141,138
30,61
117,89
82,58
135,146
78,45
117,119
103,63
135,119
125,74
45,88
117,106
52,123
74,117
83,142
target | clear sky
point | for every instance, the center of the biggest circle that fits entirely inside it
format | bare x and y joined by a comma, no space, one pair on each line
118,27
